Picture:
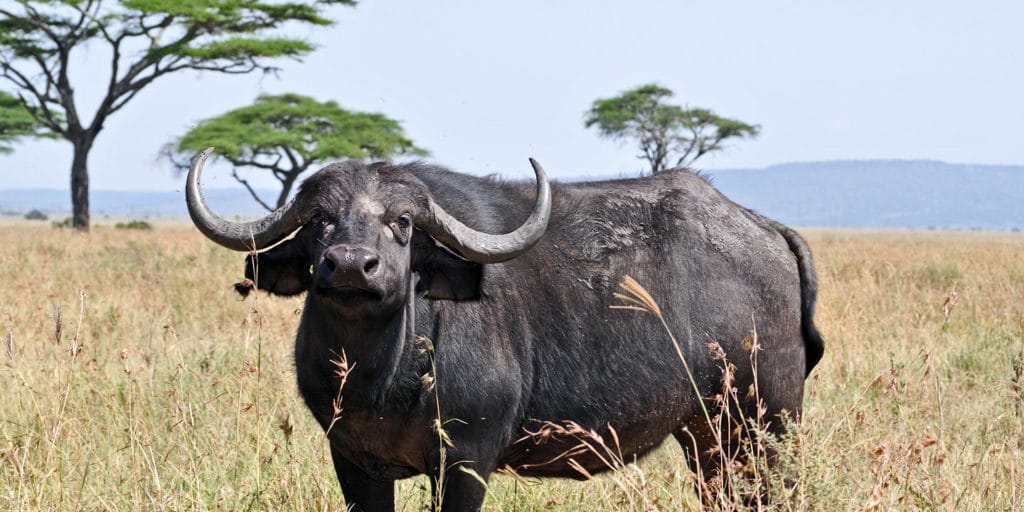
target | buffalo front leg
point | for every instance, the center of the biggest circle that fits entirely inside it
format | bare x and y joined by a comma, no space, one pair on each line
461,489
362,493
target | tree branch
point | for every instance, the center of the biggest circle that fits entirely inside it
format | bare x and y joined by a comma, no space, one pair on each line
36,57
41,113
83,15
121,90
239,162
291,157
683,159
36,20
245,183
230,68
703,146
60,80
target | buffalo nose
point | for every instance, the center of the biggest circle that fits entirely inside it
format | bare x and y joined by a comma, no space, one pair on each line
346,265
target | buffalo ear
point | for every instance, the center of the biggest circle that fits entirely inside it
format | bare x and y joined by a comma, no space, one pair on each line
283,270
443,275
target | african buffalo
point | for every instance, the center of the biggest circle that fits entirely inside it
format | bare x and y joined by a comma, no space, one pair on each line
521,324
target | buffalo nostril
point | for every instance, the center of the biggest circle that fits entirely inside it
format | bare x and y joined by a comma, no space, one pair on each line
371,265
330,264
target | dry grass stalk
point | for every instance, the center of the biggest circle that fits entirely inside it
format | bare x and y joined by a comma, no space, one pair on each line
444,441
951,300
1017,381
56,313
631,483
342,371
741,468
636,297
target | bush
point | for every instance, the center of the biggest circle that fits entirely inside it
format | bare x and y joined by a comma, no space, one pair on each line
36,215
66,223
135,224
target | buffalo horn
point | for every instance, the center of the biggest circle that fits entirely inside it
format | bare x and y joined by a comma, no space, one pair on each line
238,236
484,247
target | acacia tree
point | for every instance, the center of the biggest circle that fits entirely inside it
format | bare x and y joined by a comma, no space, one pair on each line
145,40
669,135
16,122
288,134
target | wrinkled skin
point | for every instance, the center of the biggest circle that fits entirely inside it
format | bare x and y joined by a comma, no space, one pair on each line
533,339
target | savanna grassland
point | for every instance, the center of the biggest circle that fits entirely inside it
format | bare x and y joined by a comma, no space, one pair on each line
132,377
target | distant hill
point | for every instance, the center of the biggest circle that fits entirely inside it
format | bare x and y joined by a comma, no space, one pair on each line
917,194
129,204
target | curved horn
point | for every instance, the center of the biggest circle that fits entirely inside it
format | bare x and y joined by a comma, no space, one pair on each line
487,248
238,236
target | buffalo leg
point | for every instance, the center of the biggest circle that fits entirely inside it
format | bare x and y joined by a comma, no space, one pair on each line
704,456
708,454
362,493
462,491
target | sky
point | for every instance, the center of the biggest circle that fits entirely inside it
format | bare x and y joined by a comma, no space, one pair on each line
486,85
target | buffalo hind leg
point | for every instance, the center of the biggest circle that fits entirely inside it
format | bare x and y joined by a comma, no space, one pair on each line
362,493
704,457
716,462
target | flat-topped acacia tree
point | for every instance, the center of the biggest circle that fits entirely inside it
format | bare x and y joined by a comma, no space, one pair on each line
145,40
669,136
288,134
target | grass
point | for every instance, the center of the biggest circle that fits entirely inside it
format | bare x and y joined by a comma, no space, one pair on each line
132,377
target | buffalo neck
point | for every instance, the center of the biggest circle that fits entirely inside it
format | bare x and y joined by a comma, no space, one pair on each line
375,349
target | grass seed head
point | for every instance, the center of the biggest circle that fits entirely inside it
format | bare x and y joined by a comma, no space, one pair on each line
636,297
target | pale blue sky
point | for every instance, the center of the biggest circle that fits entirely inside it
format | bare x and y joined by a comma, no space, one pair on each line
485,85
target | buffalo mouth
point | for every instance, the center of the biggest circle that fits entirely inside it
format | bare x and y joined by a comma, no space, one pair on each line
349,293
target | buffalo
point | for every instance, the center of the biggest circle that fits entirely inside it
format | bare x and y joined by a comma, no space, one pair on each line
456,325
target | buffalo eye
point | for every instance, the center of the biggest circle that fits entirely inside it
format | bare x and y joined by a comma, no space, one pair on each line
402,227
404,222
318,220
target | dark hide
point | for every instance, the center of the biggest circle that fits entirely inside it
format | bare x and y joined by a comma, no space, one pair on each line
534,339
283,270
442,274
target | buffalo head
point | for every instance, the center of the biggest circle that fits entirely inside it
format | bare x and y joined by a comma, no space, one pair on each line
360,233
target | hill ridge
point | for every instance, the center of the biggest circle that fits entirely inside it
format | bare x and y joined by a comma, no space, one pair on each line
879,193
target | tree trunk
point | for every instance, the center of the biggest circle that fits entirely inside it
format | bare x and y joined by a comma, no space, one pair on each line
80,184
286,187
658,162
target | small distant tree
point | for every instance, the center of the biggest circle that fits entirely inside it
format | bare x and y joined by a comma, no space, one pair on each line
669,135
143,40
36,215
288,134
17,122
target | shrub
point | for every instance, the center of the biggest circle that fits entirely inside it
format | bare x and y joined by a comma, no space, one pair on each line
135,224
66,223
36,215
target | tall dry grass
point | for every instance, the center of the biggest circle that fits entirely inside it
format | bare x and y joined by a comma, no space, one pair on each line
132,377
